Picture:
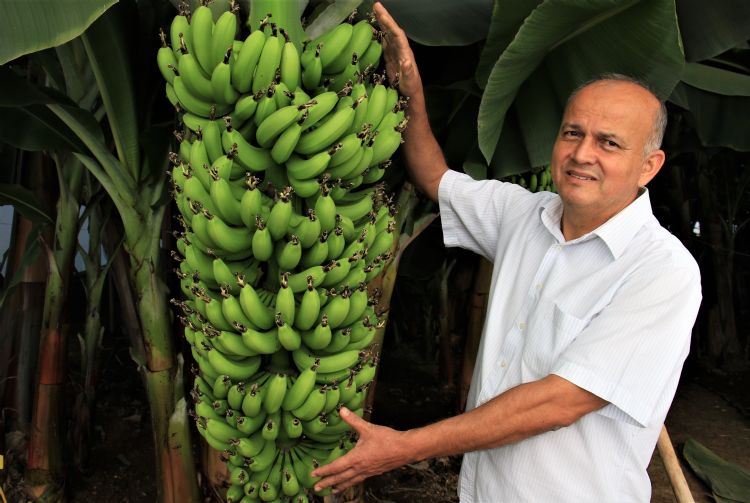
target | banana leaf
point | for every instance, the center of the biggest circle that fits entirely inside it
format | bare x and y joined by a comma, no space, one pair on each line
28,124
442,22
107,47
710,28
573,41
24,201
29,26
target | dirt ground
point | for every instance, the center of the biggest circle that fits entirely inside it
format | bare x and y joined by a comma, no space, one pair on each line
122,465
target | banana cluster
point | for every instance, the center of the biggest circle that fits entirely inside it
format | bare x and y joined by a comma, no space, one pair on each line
284,223
539,180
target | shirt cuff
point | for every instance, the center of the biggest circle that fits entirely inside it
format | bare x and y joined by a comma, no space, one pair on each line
623,406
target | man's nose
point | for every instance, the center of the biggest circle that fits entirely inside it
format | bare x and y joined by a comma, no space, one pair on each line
585,151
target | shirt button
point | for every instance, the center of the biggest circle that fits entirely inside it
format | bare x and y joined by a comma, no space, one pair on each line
538,286
521,326
503,364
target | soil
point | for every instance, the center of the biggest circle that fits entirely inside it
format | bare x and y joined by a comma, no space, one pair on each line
122,463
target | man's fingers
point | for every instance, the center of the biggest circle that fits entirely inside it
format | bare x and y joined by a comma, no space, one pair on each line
337,479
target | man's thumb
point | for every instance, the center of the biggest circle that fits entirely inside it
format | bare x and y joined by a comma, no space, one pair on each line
353,420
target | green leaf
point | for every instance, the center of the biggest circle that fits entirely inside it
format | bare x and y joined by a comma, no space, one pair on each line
710,28
35,128
576,41
30,253
716,80
442,22
507,17
721,121
24,201
29,26
29,125
106,46
331,16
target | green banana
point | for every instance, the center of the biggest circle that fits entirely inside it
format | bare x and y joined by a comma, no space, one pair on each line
300,389
222,38
193,104
261,242
288,254
285,304
244,67
312,67
230,239
299,281
319,107
180,35
165,58
328,363
325,210
320,336
337,308
264,343
249,156
201,28
284,145
276,388
309,307
212,132
304,188
243,109
327,132
268,64
312,406
371,57
276,123
254,308
317,253
281,214
227,207
304,169
289,68
334,43
221,81
235,369
289,338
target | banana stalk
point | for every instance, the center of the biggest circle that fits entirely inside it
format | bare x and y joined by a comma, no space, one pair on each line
90,341
45,468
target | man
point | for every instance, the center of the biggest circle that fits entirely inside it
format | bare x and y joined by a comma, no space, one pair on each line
590,313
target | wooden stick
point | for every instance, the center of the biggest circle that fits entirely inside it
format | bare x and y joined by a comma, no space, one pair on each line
674,470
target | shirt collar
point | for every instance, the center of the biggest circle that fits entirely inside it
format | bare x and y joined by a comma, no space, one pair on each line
616,232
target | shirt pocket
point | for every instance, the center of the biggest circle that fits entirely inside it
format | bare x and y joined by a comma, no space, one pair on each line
549,331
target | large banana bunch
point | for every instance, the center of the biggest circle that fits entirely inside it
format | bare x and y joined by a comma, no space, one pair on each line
285,223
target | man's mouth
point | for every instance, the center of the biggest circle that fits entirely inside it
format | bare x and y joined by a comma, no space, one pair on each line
579,176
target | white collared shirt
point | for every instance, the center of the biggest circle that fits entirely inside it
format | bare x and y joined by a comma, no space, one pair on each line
611,312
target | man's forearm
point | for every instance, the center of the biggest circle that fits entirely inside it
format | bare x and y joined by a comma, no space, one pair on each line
424,158
517,414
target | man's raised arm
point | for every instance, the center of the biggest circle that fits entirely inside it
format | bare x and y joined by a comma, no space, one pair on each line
424,159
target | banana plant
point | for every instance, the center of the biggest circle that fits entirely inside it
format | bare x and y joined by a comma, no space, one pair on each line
131,174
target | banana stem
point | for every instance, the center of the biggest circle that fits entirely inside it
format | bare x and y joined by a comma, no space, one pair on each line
284,13
45,463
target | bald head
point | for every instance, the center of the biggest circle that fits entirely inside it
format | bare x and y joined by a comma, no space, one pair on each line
658,122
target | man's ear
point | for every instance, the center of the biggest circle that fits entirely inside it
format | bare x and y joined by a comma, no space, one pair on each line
651,166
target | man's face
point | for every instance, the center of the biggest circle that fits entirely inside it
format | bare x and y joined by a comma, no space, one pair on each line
598,159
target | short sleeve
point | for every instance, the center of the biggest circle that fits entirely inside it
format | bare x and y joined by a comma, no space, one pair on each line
473,212
632,352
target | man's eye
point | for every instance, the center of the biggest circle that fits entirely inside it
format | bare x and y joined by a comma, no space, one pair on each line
571,133
611,144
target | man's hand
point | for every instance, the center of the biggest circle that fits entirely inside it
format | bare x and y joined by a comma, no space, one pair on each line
399,58
378,450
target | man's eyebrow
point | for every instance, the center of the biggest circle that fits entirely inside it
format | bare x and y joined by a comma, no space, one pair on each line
611,136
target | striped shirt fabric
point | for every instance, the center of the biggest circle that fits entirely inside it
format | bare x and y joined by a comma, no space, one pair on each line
611,312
